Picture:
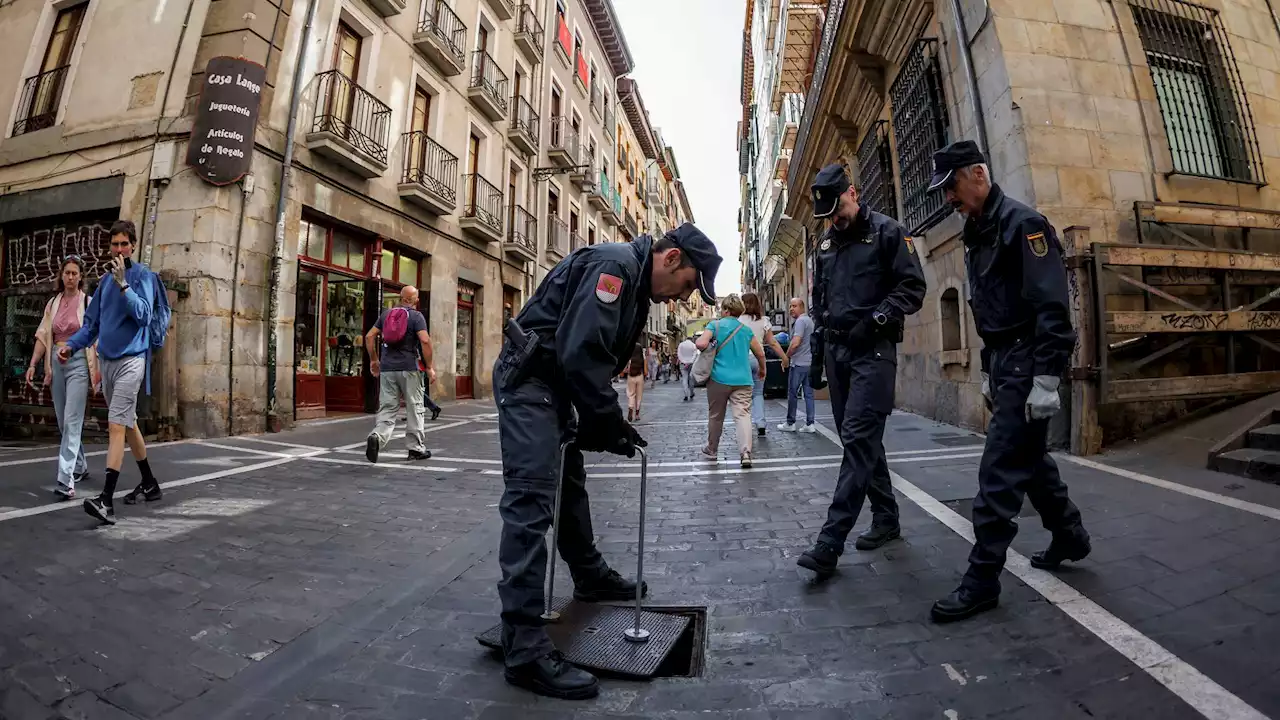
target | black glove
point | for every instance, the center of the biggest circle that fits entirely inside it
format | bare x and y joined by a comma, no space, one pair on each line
609,433
815,377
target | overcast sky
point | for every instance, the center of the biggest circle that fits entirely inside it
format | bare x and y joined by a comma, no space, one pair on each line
688,57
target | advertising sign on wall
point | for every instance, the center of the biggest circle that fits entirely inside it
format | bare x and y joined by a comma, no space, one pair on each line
221,146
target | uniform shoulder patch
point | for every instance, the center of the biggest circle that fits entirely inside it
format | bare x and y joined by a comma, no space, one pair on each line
608,288
1039,246
911,246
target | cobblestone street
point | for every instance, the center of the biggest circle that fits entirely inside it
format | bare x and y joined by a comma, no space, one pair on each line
285,577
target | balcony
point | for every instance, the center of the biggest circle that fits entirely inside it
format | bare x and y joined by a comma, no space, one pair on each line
430,178
529,33
525,127
488,86
630,222
597,101
562,150
598,194
563,43
582,75
38,106
350,125
653,194
612,210
482,209
387,8
609,129
557,238
504,9
576,242
440,36
522,235
584,172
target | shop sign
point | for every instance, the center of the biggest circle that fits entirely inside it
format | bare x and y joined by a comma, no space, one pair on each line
221,146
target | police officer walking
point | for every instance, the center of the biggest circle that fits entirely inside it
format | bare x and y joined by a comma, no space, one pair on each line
1018,288
552,385
867,279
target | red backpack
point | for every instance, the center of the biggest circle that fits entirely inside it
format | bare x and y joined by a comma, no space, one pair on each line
396,325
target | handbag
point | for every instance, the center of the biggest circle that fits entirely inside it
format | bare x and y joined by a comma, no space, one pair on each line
701,371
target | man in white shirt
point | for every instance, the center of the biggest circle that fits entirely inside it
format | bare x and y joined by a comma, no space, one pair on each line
686,353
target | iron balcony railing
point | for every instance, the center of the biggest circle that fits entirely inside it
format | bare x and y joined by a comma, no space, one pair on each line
430,165
609,129
596,98
439,19
527,22
482,200
563,136
526,118
557,235
576,241
486,75
921,126
524,229
38,106
631,225
352,113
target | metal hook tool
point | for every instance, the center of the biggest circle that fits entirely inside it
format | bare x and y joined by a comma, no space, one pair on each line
547,613
637,634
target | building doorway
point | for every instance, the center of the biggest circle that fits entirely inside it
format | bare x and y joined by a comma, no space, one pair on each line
464,385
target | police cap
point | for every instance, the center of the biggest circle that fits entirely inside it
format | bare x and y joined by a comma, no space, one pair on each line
951,158
702,254
828,186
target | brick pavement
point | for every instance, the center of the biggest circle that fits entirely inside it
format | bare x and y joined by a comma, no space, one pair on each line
323,589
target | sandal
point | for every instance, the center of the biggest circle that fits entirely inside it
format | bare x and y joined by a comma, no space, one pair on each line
745,459
709,454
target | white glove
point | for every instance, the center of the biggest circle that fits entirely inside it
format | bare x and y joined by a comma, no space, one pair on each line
1043,402
986,390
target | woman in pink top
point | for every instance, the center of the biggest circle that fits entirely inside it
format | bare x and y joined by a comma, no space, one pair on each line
63,316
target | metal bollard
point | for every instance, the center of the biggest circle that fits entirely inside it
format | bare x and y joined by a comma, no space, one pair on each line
552,553
637,634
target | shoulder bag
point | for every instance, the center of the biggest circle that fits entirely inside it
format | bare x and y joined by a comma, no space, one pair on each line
701,371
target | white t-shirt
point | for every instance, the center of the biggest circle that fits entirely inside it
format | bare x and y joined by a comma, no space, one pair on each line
687,352
759,328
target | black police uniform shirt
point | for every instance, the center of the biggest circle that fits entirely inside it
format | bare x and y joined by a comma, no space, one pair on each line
589,312
1017,282
871,266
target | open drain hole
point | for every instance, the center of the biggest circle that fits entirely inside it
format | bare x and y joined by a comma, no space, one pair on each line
688,657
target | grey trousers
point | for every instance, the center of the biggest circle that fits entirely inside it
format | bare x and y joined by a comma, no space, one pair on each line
70,390
394,386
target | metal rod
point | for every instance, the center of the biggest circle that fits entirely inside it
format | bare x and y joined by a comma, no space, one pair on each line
637,634
547,601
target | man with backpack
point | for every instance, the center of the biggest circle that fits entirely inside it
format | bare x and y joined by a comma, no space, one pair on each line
129,318
404,342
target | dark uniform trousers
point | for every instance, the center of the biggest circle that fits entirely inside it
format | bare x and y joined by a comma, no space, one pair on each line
1015,462
861,382
533,421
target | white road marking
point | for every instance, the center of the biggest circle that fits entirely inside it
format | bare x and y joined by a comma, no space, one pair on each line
251,451
278,443
1194,688
54,458
491,431
1245,505
802,466
401,434
946,452
366,463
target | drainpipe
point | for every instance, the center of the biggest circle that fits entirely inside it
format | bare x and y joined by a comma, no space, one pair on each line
971,78
1274,19
277,253
246,189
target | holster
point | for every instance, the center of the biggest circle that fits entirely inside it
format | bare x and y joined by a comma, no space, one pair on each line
519,356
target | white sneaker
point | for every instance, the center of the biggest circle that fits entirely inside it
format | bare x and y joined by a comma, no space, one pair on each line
807,429
787,427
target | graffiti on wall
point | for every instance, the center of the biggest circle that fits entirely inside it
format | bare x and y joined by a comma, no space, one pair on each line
34,256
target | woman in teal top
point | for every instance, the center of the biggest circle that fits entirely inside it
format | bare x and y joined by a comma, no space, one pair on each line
731,380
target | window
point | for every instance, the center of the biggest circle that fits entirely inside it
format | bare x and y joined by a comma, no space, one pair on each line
346,51
320,244
591,234
1199,90
950,312
921,126
42,93
875,171
553,203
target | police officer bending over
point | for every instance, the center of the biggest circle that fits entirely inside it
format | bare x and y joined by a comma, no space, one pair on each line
867,279
1018,287
553,385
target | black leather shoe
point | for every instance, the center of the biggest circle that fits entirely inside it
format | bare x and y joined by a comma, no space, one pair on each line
612,587
821,558
877,535
150,494
963,603
1075,549
371,448
415,455
435,413
551,675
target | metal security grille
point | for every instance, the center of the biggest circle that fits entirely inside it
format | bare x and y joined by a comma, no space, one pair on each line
921,126
875,171
1202,100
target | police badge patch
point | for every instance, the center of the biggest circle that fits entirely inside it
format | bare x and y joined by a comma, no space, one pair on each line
608,288
1039,247
911,248
826,245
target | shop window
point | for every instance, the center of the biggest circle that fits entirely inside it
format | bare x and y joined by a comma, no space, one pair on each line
399,269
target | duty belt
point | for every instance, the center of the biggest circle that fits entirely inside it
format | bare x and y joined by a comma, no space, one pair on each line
1005,338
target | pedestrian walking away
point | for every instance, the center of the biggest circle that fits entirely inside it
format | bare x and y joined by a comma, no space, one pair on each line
71,381
129,318
754,318
686,354
635,384
867,279
801,358
732,374
400,361
1018,287
552,385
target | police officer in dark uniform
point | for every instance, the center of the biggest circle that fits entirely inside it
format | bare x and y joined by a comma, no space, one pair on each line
1018,292
552,385
867,279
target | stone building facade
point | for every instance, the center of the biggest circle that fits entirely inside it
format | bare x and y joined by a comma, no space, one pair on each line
1133,122
438,143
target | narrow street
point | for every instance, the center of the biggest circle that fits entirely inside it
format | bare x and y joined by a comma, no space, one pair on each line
284,576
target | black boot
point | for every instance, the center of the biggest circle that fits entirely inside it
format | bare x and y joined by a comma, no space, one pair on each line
1073,547
610,587
821,558
150,494
964,602
877,535
551,675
